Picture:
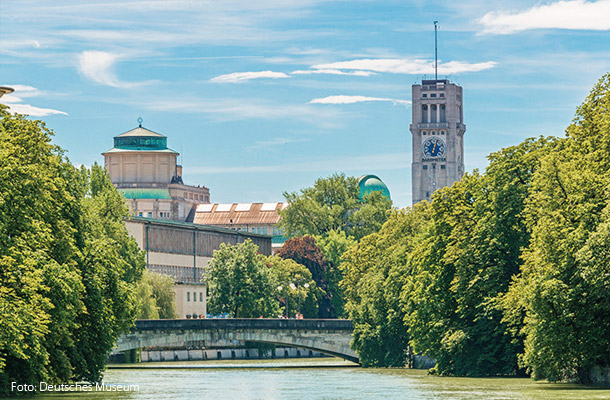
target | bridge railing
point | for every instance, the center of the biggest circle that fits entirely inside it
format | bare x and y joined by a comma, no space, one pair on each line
244,323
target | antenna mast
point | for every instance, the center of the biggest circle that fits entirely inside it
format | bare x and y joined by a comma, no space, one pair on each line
435,52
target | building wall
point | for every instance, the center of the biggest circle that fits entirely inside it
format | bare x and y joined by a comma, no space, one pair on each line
141,166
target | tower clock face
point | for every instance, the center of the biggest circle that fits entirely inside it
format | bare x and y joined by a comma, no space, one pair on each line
433,147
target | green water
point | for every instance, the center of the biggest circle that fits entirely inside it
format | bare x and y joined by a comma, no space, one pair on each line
315,379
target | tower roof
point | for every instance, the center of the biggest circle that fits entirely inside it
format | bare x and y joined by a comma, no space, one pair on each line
139,131
372,183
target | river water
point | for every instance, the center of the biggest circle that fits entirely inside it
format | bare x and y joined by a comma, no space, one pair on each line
316,379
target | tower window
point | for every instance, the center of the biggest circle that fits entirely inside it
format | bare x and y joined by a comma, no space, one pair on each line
433,166
424,95
443,166
433,133
424,113
425,167
443,116
433,109
433,95
424,133
442,95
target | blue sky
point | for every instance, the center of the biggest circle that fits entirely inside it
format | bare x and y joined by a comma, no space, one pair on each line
262,97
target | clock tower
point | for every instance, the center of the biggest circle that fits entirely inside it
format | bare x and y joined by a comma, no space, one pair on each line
437,132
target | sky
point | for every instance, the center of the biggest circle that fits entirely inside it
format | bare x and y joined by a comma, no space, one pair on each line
263,97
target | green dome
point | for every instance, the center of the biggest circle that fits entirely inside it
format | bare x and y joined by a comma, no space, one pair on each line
372,183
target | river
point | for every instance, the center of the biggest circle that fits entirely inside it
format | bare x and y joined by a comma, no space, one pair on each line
316,379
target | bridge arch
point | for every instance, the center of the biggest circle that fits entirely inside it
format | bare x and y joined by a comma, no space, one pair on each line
331,337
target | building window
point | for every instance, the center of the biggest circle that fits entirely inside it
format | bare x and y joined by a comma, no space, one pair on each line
201,297
427,194
442,132
188,296
442,95
264,230
150,214
195,296
433,166
140,214
443,166
433,95
443,116
424,133
425,167
424,114
424,95
433,109
433,133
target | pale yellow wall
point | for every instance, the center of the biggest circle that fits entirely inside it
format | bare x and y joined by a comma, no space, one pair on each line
140,167
185,307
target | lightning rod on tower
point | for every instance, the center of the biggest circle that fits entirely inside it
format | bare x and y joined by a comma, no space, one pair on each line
435,51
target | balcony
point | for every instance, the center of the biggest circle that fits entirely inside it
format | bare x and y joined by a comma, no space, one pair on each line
433,125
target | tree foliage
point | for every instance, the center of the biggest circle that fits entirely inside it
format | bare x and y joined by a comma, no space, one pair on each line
295,287
156,296
333,203
67,265
304,251
562,298
241,283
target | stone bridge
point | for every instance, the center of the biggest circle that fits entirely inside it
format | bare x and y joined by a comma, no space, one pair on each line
330,336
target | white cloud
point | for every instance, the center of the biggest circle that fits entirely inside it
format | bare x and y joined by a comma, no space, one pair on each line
14,102
31,110
238,77
333,72
576,14
98,66
405,66
342,99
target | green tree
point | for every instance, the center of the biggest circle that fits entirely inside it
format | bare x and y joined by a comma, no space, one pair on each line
156,296
333,203
374,273
295,287
304,251
333,245
560,302
240,282
68,266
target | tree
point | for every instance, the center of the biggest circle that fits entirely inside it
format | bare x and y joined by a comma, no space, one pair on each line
333,203
333,245
240,282
559,304
304,251
297,291
156,296
68,267
374,273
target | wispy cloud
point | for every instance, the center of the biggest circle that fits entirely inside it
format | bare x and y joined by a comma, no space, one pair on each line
406,66
333,72
342,99
279,141
16,105
98,66
576,14
238,77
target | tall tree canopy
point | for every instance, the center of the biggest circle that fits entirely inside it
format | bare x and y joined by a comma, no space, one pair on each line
68,267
